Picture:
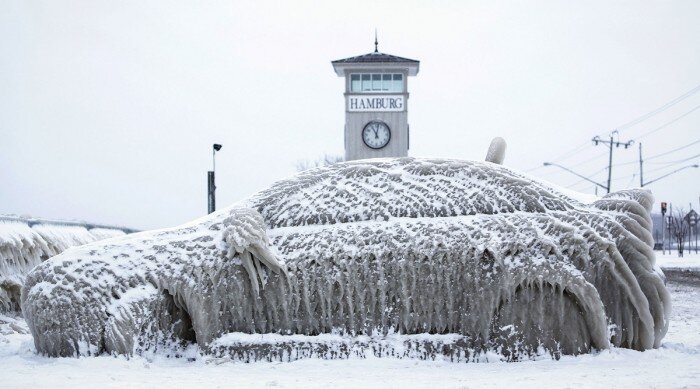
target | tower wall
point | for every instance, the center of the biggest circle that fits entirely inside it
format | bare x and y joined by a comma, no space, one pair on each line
355,147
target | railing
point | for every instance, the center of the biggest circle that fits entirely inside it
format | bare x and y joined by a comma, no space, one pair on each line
89,226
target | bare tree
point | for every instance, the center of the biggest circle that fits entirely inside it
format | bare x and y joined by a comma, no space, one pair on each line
657,238
679,228
326,160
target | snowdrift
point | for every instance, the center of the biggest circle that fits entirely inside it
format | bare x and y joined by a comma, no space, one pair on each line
22,247
401,257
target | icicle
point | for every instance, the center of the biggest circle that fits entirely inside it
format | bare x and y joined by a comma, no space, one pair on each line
22,247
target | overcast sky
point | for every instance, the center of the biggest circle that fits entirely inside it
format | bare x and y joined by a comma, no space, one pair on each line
108,109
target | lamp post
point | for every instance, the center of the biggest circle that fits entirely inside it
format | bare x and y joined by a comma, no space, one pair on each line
607,188
692,227
673,172
211,192
663,233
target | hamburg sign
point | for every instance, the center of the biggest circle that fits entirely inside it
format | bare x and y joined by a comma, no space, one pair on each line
376,103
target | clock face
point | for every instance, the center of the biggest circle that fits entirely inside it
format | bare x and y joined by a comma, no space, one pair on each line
376,134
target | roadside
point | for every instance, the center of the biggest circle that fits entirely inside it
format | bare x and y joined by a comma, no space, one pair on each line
682,270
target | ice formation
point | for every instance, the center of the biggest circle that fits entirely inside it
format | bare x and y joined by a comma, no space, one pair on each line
22,247
497,151
396,257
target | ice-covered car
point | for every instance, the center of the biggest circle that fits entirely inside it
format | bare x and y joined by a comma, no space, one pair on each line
396,257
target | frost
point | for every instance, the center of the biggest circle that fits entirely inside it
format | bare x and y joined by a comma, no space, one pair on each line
497,151
22,247
456,259
245,237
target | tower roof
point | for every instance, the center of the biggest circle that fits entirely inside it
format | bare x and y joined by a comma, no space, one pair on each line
375,57
376,60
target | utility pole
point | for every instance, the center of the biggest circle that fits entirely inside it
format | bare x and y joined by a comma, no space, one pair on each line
641,171
663,234
690,237
692,225
610,144
670,222
641,167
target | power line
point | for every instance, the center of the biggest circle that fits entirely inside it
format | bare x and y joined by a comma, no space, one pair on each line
533,169
610,143
659,168
572,186
563,156
590,176
660,163
674,150
590,159
597,140
669,165
578,149
668,124
676,161
625,177
571,153
660,109
625,163
642,183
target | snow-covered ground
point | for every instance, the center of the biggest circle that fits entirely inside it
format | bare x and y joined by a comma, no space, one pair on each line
675,364
672,261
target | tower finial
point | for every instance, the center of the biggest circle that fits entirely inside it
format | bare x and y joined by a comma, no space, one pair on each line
376,43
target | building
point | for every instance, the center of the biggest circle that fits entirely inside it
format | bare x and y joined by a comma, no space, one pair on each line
376,104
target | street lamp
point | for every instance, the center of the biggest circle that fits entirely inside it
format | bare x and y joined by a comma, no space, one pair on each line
211,187
666,175
607,188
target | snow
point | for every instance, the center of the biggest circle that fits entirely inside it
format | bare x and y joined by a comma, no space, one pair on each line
22,247
674,364
671,260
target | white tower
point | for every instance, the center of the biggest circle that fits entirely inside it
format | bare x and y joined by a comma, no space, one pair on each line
376,104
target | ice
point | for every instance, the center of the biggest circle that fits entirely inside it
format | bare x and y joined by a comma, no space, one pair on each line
497,151
22,247
375,248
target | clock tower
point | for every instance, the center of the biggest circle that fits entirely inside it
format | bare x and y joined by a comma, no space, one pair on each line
376,104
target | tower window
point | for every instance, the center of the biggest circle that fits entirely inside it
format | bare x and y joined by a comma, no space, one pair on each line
397,84
366,83
376,82
386,82
355,83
